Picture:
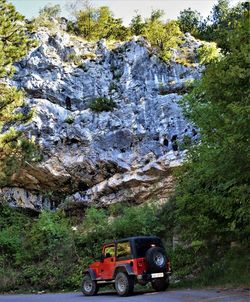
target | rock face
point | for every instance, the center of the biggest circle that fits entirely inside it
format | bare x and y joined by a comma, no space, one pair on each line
107,157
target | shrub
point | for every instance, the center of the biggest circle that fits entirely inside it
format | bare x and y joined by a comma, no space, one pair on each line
69,119
46,253
208,52
74,58
102,104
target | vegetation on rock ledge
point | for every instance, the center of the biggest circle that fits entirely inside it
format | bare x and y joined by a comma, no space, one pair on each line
102,104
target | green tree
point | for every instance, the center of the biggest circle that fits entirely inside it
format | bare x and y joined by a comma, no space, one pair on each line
86,20
108,27
14,41
162,36
212,196
208,52
46,15
137,25
156,15
15,148
50,11
221,20
189,21
104,22
94,24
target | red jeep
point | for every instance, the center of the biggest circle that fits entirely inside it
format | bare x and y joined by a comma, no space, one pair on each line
126,262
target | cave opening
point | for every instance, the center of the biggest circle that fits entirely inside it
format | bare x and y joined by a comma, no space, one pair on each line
68,103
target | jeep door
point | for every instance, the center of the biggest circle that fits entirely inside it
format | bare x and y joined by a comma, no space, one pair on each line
107,266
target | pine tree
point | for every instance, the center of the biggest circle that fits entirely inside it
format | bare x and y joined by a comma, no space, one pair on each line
15,148
14,42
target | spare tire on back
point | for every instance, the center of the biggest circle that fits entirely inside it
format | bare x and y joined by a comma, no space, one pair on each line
156,259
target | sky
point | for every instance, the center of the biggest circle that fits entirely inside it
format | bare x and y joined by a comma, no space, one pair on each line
124,9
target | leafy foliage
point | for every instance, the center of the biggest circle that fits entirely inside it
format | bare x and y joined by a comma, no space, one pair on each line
102,104
46,16
212,196
222,19
50,11
162,36
15,151
189,21
15,148
97,23
137,25
14,41
208,52
47,252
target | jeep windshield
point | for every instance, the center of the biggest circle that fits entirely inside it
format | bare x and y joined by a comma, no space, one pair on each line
143,244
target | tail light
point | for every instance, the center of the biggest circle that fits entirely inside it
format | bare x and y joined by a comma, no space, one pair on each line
168,265
140,263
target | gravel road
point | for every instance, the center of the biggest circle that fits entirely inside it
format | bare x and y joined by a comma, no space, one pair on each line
172,295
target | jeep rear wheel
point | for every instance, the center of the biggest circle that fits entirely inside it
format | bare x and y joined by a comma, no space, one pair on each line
124,284
160,284
156,259
89,286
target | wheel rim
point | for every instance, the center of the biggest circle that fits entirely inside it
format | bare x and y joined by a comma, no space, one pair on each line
121,284
88,286
159,259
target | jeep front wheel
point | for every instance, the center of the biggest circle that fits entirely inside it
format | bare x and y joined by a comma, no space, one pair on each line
124,284
160,284
89,286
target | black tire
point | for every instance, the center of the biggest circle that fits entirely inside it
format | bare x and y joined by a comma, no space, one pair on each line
156,259
160,284
124,284
89,286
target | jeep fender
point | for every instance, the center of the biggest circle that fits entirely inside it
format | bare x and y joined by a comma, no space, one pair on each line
126,268
91,272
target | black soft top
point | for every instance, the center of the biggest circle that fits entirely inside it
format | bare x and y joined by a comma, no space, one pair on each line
132,239
139,244
136,237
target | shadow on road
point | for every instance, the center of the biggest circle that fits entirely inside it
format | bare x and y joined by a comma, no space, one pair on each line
135,293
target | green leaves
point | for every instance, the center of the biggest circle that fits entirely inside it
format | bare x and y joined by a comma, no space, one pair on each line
98,23
14,41
212,194
48,252
189,21
208,52
102,104
15,148
163,36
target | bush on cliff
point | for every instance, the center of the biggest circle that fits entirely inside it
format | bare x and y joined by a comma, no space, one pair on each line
102,104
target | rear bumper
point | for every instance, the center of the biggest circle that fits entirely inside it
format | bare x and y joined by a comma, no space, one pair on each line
147,277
